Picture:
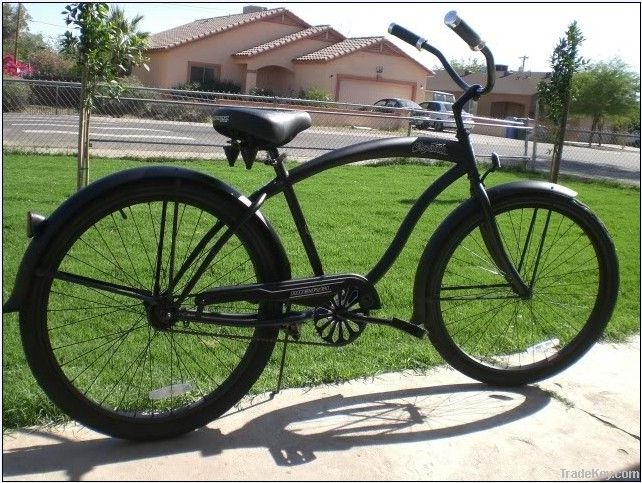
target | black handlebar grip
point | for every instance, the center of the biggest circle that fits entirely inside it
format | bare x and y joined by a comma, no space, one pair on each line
462,29
406,35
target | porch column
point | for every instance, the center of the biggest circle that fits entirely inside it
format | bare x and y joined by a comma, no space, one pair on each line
250,80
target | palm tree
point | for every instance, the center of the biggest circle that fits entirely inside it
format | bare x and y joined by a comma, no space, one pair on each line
126,29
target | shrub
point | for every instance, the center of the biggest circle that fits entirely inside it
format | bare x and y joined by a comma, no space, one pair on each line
55,96
121,106
261,91
15,68
221,86
49,63
15,95
316,94
209,87
175,112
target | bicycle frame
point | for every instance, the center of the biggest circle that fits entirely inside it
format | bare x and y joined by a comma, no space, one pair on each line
459,152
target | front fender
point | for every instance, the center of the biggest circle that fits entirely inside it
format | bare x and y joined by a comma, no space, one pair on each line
467,209
70,207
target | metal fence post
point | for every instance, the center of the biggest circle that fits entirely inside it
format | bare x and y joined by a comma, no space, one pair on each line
525,122
57,98
535,129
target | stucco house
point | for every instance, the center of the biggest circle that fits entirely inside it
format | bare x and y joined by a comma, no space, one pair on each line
514,93
276,50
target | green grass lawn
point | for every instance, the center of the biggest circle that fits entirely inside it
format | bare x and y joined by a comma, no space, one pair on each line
353,212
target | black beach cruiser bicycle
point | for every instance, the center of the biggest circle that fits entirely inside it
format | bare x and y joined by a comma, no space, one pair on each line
151,301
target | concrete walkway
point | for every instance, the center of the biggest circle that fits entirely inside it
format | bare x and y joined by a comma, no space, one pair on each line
581,424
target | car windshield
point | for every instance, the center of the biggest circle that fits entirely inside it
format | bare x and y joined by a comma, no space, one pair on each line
448,106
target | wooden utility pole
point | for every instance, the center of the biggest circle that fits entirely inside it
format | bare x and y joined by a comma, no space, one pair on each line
15,47
523,57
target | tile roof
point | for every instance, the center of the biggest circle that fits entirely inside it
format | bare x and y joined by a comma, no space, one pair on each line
273,44
210,26
339,49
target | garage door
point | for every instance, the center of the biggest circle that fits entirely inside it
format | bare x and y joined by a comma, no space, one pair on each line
367,92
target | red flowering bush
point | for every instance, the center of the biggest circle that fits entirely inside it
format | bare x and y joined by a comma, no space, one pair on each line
15,68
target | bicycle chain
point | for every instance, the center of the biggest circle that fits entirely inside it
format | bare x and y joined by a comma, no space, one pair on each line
252,338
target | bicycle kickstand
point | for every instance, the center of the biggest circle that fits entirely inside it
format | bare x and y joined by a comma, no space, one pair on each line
280,379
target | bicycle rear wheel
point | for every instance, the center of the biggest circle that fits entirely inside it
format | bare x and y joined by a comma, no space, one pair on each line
107,359
485,330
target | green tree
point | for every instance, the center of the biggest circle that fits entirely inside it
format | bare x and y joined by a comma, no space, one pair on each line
555,94
48,62
467,66
27,41
10,22
606,91
98,37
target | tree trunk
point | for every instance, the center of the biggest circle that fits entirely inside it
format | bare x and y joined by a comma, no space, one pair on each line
559,144
83,136
82,121
593,126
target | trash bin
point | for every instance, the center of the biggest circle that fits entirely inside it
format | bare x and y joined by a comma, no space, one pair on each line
514,131
521,133
511,132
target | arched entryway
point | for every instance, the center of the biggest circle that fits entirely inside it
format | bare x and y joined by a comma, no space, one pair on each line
276,79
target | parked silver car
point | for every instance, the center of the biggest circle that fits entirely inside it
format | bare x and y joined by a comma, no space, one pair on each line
441,116
416,112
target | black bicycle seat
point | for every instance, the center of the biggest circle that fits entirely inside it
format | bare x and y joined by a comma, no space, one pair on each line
265,127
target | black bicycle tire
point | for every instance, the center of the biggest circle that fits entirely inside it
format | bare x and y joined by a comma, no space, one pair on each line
51,378
452,232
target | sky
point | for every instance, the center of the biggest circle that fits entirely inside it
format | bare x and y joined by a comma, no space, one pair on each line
510,29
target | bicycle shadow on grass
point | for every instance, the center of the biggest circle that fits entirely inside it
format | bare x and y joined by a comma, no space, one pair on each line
300,431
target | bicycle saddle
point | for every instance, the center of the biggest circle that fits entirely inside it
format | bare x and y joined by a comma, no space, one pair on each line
262,128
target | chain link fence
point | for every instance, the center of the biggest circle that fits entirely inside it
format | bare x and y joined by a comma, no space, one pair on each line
42,116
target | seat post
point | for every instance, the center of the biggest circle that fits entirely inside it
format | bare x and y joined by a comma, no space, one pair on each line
295,208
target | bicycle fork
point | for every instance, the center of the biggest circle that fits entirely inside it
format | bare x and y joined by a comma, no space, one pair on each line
493,241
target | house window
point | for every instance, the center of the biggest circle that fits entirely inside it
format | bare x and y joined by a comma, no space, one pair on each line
203,73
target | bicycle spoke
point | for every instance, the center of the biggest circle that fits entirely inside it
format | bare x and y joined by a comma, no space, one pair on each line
100,285
111,305
159,250
495,326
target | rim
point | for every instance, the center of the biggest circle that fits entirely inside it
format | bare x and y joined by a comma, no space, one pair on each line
493,326
106,345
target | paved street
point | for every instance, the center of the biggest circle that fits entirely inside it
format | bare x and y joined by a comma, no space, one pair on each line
144,137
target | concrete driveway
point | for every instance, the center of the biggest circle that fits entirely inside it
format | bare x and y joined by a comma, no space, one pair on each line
583,424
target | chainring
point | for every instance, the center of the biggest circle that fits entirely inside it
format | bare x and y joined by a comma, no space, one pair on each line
332,321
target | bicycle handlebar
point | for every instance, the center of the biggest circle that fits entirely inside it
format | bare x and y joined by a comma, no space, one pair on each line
467,34
462,29
406,35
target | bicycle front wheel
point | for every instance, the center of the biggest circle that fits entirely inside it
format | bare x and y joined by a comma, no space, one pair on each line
485,330
110,360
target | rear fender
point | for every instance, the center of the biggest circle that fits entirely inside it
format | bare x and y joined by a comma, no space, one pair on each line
69,208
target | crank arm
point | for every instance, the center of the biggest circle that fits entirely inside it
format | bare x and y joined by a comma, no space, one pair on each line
395,323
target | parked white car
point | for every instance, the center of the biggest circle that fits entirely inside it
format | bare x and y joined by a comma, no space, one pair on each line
441,116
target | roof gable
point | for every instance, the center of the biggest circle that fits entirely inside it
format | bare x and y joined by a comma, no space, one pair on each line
376,45
339,49
321,32
211,26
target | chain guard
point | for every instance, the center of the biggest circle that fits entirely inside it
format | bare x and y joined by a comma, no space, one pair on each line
332,321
